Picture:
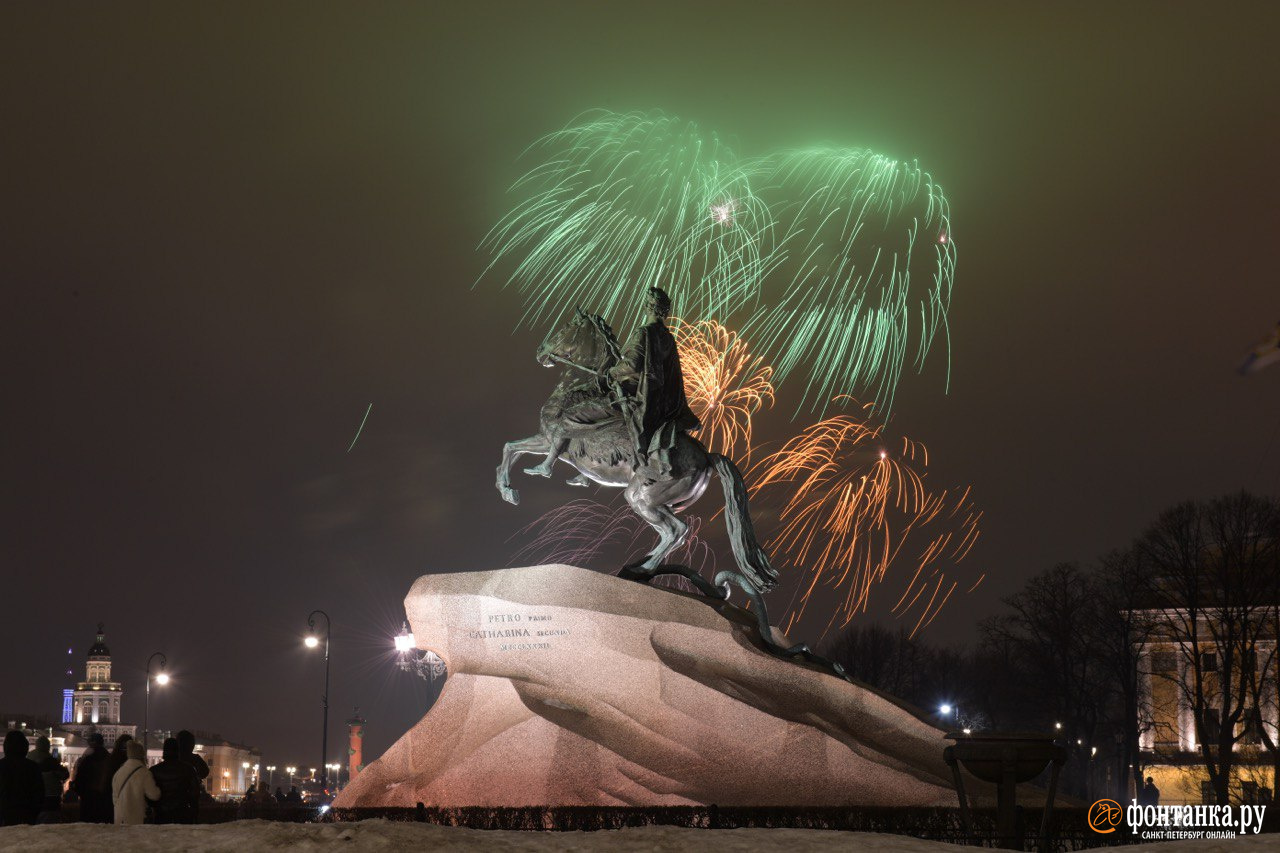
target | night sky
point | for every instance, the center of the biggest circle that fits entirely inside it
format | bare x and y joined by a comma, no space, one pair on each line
226,229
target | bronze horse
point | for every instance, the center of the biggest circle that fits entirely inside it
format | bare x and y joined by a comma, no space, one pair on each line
592,434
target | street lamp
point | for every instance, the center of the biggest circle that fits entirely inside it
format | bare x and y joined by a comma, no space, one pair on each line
271,779
291,771
162,678
409,658
312,641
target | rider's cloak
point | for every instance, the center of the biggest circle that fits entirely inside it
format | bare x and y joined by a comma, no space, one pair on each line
654,362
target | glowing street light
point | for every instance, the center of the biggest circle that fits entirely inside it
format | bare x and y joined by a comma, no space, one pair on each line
162,678
312,642
410,658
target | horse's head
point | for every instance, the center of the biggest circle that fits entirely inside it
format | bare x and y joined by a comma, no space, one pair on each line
577,342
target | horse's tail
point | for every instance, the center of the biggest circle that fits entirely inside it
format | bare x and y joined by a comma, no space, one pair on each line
752,561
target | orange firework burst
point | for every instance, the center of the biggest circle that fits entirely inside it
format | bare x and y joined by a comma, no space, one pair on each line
725,385
854,508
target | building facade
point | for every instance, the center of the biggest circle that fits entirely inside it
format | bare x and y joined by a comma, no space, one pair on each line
95,705
1171,742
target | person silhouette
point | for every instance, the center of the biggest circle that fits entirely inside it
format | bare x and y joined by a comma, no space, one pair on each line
21,785
92,782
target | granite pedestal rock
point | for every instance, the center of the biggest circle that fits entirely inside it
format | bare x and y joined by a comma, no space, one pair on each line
571,687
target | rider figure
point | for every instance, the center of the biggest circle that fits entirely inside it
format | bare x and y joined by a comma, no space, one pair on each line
653,403
649,376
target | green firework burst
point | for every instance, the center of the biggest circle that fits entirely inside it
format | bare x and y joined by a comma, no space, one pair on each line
625,201
867,273
820,256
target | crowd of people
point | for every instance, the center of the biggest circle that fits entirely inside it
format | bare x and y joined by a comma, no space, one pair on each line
113,786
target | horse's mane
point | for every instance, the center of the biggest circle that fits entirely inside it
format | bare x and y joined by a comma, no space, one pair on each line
605,331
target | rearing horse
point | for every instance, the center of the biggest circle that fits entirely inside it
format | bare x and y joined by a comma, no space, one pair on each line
583,426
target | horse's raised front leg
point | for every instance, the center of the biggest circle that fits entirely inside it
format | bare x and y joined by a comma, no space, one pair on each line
511,451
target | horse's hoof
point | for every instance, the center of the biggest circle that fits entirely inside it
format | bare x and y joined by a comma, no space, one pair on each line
726,589
577,481
537,472
511,496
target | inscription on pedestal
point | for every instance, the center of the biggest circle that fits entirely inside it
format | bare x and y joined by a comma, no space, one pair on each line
517,631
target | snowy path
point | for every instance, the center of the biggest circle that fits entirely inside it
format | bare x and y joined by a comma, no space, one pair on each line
252,835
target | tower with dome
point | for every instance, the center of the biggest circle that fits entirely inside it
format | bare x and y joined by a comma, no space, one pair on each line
94,704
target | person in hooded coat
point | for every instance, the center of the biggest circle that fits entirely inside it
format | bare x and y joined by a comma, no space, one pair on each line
187,748
53,774
92,782
133,786
21,786
179,786
119,754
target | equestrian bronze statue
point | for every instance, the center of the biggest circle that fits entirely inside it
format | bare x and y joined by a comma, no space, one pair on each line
621,419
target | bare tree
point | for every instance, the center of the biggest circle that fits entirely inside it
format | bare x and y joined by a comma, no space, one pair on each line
1123,584
912,669
1051,638
1214,566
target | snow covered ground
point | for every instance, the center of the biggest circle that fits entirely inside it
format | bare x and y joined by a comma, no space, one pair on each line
251,835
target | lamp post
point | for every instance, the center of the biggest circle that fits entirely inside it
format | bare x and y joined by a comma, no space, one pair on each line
312,641
162,678
271,779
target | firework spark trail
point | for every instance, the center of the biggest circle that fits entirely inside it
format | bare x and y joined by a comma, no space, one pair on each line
582,531
724,383
820,255
360,428
627,201
849,221
852,510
